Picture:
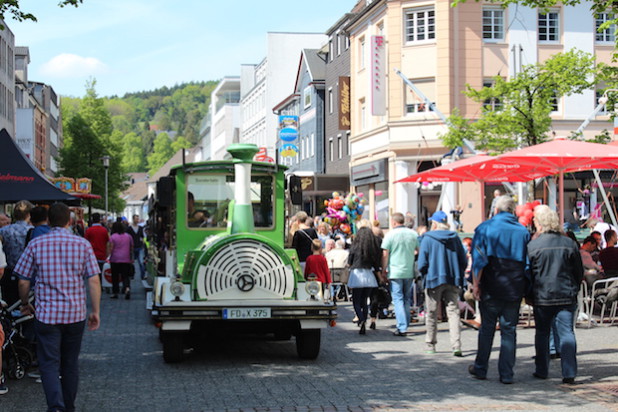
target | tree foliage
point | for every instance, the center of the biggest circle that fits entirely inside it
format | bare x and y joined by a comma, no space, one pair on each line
13,9
88,136
162,152
520,113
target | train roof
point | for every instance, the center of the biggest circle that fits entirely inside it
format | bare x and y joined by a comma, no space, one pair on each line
208,165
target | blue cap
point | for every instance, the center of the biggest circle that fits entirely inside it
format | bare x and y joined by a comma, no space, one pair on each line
439,216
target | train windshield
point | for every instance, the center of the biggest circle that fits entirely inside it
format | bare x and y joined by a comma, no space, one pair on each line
209,195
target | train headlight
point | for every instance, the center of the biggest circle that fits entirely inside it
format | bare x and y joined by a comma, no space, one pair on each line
313,288
177,289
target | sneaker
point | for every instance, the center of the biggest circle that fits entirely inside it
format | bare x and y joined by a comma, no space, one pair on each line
34,375
568,381
3,388
430,349
472,372
457,353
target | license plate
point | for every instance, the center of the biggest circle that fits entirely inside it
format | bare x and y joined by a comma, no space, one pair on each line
246,313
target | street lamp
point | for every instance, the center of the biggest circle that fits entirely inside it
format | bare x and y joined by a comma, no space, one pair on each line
106,166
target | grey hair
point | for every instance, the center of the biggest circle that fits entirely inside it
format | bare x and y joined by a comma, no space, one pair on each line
340,244
547,219
505,203
440,225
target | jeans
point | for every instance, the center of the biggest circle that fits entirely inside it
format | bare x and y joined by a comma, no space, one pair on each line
137,257
401,291
554,339
433,297
360,301
58,351
507,313
544,317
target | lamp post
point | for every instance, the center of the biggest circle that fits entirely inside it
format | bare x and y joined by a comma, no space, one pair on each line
106,166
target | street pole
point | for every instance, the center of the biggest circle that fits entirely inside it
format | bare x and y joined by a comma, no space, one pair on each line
106,166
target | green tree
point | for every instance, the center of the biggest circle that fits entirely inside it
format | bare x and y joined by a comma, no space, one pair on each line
81,155
517,111
12,8
133,154
180,143
162,153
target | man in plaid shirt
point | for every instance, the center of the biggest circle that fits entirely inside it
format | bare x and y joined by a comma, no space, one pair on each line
62,262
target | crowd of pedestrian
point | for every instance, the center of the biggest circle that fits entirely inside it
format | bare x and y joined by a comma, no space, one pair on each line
500,267
49,263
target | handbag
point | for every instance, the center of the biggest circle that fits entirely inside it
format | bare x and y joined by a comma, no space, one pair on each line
383,296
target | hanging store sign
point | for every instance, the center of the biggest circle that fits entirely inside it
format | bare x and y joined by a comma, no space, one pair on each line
262,156
289,150
344,103
378,76
288,128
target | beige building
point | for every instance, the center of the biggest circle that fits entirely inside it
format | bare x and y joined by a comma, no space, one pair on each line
441,49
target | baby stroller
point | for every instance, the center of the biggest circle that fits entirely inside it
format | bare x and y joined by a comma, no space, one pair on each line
17,355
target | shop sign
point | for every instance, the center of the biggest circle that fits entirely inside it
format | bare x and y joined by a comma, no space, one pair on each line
288,128
344,103
378,76
289,150
371,172
262,156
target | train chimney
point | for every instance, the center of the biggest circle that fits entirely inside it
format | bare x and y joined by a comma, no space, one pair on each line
242,213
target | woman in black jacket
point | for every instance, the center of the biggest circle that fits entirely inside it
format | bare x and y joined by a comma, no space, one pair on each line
364,258
557,273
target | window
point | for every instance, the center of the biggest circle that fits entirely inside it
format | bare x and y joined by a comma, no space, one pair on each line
349,144
362,114
607,35
493,104
553,101
361,53
493,24
338,44
331,149
331,50
307,97
346,42
340,146
420,25
312,141
330,100
208,197
415,103
598,95
549,26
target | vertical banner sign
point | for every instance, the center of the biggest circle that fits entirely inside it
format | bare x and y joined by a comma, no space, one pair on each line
344,103
288,133
378,76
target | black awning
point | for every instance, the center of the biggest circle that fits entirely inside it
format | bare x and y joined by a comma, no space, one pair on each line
20,180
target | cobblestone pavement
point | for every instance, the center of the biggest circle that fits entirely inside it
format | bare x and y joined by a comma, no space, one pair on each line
122,370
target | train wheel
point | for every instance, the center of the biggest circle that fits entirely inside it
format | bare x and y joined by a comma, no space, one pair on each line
172,347
308,343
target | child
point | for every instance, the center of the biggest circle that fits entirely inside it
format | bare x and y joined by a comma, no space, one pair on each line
316,264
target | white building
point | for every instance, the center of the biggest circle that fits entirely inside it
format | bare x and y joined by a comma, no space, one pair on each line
265,85
7,79
225,112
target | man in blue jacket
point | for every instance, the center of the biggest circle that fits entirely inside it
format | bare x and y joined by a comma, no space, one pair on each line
500,265
442,262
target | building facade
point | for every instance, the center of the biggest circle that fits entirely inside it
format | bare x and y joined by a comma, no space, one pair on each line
265,85
225,109
7,79
441,50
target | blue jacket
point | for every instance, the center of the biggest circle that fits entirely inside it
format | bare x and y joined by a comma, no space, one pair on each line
499,247
442,259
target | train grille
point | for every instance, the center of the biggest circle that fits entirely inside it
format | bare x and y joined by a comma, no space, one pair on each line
245,269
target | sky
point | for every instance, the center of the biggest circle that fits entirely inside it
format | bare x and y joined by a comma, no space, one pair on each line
140,45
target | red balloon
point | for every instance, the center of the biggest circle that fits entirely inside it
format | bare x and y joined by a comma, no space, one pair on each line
536,203
528,214
519,210
524,221
529,206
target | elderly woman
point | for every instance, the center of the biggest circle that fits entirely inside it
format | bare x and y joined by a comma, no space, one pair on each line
557,272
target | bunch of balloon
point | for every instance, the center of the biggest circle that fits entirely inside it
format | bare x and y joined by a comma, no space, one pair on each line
525,213
354,208
335,216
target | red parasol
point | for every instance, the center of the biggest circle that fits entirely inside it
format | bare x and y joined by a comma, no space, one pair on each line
561,156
